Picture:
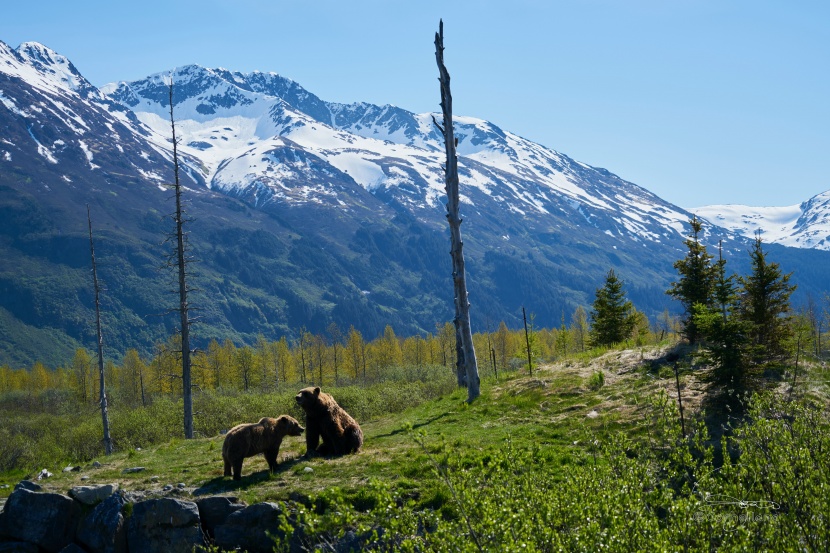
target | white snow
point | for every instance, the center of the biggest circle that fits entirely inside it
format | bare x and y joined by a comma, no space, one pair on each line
88,154
43,150
774,223
11,106
805,225
53,73
364,172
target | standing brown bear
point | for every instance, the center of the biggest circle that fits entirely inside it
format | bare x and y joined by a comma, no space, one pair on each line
265,436
325,419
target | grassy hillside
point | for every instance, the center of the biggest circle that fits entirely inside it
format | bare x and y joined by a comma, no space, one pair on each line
586,455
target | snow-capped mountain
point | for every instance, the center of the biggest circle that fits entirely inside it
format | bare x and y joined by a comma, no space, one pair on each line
302,212
805,225
52,111
262,137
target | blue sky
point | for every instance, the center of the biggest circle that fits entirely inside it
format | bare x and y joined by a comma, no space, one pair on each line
699,101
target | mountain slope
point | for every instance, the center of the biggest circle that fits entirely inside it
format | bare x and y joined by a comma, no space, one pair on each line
304,213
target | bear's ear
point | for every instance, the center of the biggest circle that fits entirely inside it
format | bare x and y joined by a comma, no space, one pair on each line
317,391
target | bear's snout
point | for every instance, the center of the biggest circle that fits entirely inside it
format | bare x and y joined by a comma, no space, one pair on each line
296,430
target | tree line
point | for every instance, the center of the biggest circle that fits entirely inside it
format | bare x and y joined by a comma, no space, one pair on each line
741,323
326,359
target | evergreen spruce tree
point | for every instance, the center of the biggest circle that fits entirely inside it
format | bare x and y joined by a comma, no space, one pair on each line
724,330
612,316
696,282
765,306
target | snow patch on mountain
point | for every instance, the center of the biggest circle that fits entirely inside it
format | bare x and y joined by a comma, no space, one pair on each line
41,149
88,154
11,106
805,225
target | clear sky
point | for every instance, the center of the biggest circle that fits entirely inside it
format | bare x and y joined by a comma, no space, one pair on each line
699,101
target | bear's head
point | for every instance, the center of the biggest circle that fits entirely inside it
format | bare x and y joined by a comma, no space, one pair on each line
307,398
288,426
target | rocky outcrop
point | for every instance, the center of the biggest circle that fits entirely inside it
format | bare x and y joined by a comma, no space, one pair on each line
257,529
164,524
104,529
99,519
47,520
92,495
215,510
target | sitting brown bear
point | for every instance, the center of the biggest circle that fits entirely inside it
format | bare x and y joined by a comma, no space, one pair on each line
265,436
325,419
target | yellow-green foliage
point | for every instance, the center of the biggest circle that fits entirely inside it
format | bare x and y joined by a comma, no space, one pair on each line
240,383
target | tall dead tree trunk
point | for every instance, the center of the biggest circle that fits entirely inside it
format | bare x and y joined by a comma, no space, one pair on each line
527,342
181,265
102,396
464,337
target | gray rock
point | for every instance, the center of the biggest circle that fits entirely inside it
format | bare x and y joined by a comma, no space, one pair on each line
28,485
167,488
134,469
166,524
246,529
48,520
96,464
104,529
134,497
215,510
92,495
44,474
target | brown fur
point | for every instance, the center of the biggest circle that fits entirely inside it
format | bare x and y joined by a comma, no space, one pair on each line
247,440
325,419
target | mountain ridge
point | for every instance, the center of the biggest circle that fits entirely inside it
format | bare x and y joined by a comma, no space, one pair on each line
305,213
804,225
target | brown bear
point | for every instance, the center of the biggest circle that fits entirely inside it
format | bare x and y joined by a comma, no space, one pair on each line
265,436
325,419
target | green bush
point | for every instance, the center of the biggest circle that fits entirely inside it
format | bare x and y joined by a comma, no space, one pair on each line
52,428
144,426
596,380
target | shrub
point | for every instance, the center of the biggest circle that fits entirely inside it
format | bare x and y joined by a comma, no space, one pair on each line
596,380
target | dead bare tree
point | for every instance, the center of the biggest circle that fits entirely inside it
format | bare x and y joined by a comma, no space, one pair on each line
181,262
527,342
102,396
466,355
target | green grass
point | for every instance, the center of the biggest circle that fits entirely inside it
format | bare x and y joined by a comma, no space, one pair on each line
550,409
552,462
